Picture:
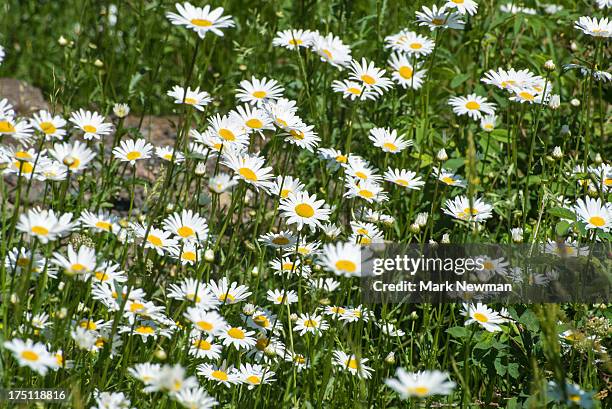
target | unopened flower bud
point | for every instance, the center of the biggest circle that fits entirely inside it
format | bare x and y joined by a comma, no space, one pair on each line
14,298
414,228
248,309
255,271
517,234
549,65
442,156
209,255
98,63
62,41
555,101
160,354
445,238
575,102
557,153
390,358
421,219
293,317
121,110
598,159
62,313
200,169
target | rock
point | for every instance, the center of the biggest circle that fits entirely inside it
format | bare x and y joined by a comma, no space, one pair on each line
25,98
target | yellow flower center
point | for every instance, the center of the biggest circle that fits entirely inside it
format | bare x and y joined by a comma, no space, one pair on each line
480,317
488,265
390,146
597,221
6,127
327,53
458,1
299,135
254,379
448,180
201,22
103,225
89,129
418,390
341,158
189,256
304,210
254,123
346,265
75,164
220,375
227,134
227,297
204,325
47,127
366,193
472,105
145,330
368,79
190,101
310,324
405,72
354,90
285,193
259,94
295,41
78,267
136,306
236,333
361,175
262,344
437,21
287,266
29,355
25,167
89,325
154,240
201,344
402,182
280,241
23,155
416,46
261,320
101,276
248,174
526,95
185,231
352,363
40,230
133,155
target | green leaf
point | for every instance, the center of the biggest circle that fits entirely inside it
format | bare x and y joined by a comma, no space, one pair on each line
562,213
458,80
458,332
562,228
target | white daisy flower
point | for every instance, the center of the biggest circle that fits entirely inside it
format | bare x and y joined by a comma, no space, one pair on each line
20,130
250,169
224,375
388,140
293,39
192,290
91,123
472,105
485,316
256,91
238,337
200,19
251,119
210,322
420,384
354,90
312,323
439,18
343,259
204,347
460,208
254,375
33,355
167,153
463,6
332,50
45,224
593,27
196,98
404,178
51,126
594,213
279,297
303,209
368,190
156,239
187,225
195,397
449,177
76,156
404,73
132,151
229,293
280,240
372,78
352,364
103,221
410,43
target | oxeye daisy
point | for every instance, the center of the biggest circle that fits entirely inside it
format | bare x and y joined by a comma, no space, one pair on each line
324,284
287,267
229,293
264,321
78,262
254,375
227,129
404,73
303,136
187,225
223,374
103,221
76,157
303,209
388,140
304,248
334,157
91,123
256,91
132,151
280,240
194,291
249,168
372,78
196,98
45,225
156,239
353,90
487,123
238,337
293,39
33,355
171,378
220,183
108,272
463,6
368,190
52,170
410,43
2,54
508,79
594,213
332,50
360,169
448,177
20,130
210,322
216,143
593,27
404,178
51,126
390,329
200,19
204,346
167,153
352,364
251,119
343,259
189,253
283,112
283,297
312,323
439,18
420,384
144,372
19,259
485,316
472,105
460,208
283,186
529,95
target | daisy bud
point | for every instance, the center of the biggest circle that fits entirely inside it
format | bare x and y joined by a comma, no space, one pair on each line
209,255
170,207
390,358
255,271
121,110
293,317
269,351
517,234
549,65
62,41
14,298
414,315
248,309
556,153
573,46
555,101
592,191
598,159
575,102
99,63
414,228
442,156
242,67
62,313
324,301
160,354
316,267
200,169
421,219
69,160
445,238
